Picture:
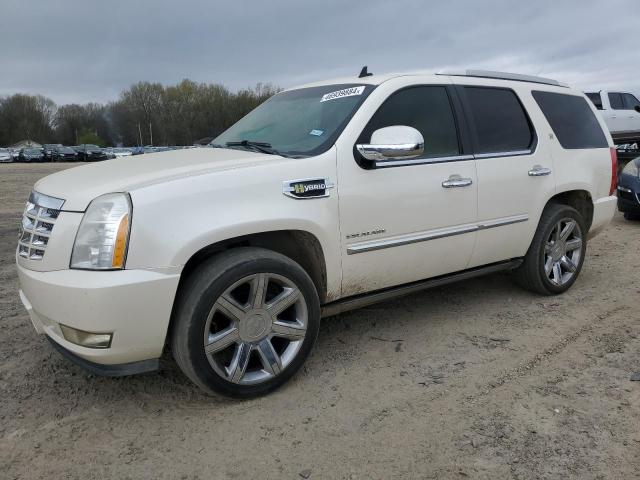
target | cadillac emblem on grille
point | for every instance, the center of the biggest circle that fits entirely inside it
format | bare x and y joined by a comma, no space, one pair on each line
39,217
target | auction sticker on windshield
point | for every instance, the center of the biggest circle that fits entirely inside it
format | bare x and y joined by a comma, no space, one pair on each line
347,92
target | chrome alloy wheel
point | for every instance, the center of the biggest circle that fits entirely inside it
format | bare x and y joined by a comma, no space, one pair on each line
255,328
562,251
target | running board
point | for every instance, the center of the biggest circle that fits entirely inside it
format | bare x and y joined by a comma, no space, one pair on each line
366,299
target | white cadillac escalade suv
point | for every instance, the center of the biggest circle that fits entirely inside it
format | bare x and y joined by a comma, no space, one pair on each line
327,197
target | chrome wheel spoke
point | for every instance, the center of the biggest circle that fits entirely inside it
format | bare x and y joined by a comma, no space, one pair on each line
567,230
230,308
222,340
548,265
557,273
574,244
288,330
258,290
283,301
270,359
239,362
568,264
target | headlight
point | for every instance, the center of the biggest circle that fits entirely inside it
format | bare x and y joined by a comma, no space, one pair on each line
632,168
103,235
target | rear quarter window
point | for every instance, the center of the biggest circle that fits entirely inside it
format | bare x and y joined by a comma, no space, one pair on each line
572,120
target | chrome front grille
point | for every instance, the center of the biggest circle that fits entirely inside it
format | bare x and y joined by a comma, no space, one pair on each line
38,221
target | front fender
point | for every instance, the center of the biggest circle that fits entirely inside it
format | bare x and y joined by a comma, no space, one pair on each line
173,220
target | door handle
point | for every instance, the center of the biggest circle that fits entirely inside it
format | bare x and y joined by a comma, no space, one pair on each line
539,171
456,181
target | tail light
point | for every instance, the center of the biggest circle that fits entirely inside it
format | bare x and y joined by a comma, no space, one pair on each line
614,170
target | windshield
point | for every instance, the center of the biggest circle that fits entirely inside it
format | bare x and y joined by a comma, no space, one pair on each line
298,123
65,150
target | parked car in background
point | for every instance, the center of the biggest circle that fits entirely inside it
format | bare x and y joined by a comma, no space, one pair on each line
91,153
327,197
621,113
629,190
5,156
48,150
121,152
64,154
30,155
15,153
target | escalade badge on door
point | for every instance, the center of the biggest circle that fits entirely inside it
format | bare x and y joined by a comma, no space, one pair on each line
307,188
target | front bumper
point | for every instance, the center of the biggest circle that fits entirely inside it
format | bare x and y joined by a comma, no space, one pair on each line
132,305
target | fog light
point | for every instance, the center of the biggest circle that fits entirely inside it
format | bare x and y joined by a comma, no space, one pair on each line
86,339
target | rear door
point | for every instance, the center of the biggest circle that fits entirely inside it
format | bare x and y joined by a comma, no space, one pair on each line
515,170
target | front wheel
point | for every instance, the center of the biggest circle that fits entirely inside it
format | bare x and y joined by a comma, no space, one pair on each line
555,257
245,322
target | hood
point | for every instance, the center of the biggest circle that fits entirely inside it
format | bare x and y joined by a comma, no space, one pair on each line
79,185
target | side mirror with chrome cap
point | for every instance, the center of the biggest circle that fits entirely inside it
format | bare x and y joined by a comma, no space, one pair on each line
393,143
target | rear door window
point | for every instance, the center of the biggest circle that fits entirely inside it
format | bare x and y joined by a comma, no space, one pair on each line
425,108
572,120
615,100
501,124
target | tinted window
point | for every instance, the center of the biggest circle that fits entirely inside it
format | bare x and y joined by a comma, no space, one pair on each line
595,99
501,125
615,99
630,102
428,110
572,120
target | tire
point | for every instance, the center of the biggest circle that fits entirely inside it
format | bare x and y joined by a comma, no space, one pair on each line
255,342
554,246
631,216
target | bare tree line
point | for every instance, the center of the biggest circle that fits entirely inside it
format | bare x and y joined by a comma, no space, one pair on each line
146,113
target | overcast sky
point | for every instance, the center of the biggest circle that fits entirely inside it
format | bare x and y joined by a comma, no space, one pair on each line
89,50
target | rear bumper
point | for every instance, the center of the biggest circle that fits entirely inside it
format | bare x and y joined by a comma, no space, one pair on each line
603,211
134,306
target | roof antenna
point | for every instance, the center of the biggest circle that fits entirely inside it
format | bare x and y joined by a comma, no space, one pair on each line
364,72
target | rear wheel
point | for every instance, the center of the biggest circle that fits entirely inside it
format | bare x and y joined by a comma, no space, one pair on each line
556,254
245,322
631,216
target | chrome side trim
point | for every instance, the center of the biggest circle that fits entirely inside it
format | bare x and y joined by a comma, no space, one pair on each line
422,161
513,153
364,300
455,158
432,234
501,222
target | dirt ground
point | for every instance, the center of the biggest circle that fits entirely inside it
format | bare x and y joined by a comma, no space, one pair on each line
474,380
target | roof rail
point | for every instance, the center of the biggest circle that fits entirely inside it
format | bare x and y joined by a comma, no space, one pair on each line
503,76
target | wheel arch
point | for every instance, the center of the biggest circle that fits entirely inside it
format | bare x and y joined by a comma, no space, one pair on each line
581,200
300,246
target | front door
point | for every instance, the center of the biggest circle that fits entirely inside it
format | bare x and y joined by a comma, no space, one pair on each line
403,221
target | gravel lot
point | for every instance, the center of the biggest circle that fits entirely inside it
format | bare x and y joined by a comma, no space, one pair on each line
474,380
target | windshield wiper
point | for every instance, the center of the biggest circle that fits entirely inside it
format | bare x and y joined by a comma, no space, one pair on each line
263,147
